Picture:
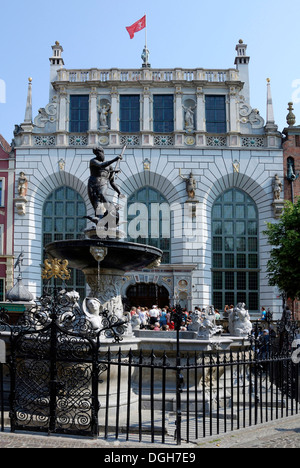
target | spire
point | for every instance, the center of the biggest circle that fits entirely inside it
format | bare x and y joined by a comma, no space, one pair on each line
270,109
270,125
28,112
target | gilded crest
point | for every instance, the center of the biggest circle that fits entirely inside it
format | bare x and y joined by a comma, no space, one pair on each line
56,269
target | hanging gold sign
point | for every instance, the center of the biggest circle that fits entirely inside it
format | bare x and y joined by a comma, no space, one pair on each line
56,269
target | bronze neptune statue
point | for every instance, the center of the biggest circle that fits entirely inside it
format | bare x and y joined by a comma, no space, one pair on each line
102,175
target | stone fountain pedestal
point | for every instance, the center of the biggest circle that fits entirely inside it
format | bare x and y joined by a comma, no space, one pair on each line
104,263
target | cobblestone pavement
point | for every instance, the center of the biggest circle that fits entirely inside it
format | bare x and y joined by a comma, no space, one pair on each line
277,434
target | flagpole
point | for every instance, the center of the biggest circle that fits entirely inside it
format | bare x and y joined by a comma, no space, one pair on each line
146,39
146,31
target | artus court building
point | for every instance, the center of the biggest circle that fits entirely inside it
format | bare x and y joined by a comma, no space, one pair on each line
194,144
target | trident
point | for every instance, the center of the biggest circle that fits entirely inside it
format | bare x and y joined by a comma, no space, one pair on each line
118,162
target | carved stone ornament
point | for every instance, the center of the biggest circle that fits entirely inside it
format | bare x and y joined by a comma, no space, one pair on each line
107,289
239,321
20,205
278,207
249,115
47,114
99,253
208,327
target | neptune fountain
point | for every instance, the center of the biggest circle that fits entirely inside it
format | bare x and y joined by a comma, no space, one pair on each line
104,256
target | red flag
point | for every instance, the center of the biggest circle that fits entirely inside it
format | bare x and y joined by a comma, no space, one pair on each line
136,27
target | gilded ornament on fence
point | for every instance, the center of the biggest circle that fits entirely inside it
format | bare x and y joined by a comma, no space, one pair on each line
56,269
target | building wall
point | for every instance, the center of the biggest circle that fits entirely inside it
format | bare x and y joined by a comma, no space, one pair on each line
213,171
291,148
246,157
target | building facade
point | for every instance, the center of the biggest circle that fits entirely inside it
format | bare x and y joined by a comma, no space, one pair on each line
198,176
291,155
7,187
291,163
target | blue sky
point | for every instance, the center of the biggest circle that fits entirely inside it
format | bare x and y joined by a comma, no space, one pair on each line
187,34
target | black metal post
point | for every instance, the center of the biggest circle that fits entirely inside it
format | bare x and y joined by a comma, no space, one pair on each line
177,319
53,364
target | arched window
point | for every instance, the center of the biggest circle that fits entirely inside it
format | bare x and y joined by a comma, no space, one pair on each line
148,216
62,220
235,251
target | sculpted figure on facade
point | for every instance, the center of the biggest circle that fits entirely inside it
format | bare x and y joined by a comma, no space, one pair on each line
277,188
191,185
22,185
189,117
103,114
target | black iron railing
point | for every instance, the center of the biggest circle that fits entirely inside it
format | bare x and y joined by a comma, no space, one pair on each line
58,381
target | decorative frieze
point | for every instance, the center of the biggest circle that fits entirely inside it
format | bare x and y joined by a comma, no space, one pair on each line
78,140
44,140
163,140
216,141
252,142
130,140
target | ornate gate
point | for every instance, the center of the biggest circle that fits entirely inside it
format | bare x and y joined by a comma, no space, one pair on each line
54,370
54,363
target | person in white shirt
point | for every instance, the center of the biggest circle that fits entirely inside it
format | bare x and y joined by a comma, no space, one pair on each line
153,314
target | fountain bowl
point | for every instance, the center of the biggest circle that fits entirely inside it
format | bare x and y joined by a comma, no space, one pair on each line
121,255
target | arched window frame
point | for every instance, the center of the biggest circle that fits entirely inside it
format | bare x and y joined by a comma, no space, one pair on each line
235,250
63,213
148,196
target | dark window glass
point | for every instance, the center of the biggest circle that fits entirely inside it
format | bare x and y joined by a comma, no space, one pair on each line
62,220
130,114
163,113
215,109
79,114
235,259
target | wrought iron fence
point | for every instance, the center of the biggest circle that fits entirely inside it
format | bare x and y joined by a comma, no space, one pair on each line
60,376
206,394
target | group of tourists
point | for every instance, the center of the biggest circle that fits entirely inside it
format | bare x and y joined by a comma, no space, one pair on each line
157,318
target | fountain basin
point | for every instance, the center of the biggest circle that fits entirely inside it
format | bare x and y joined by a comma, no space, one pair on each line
121,256
104,263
